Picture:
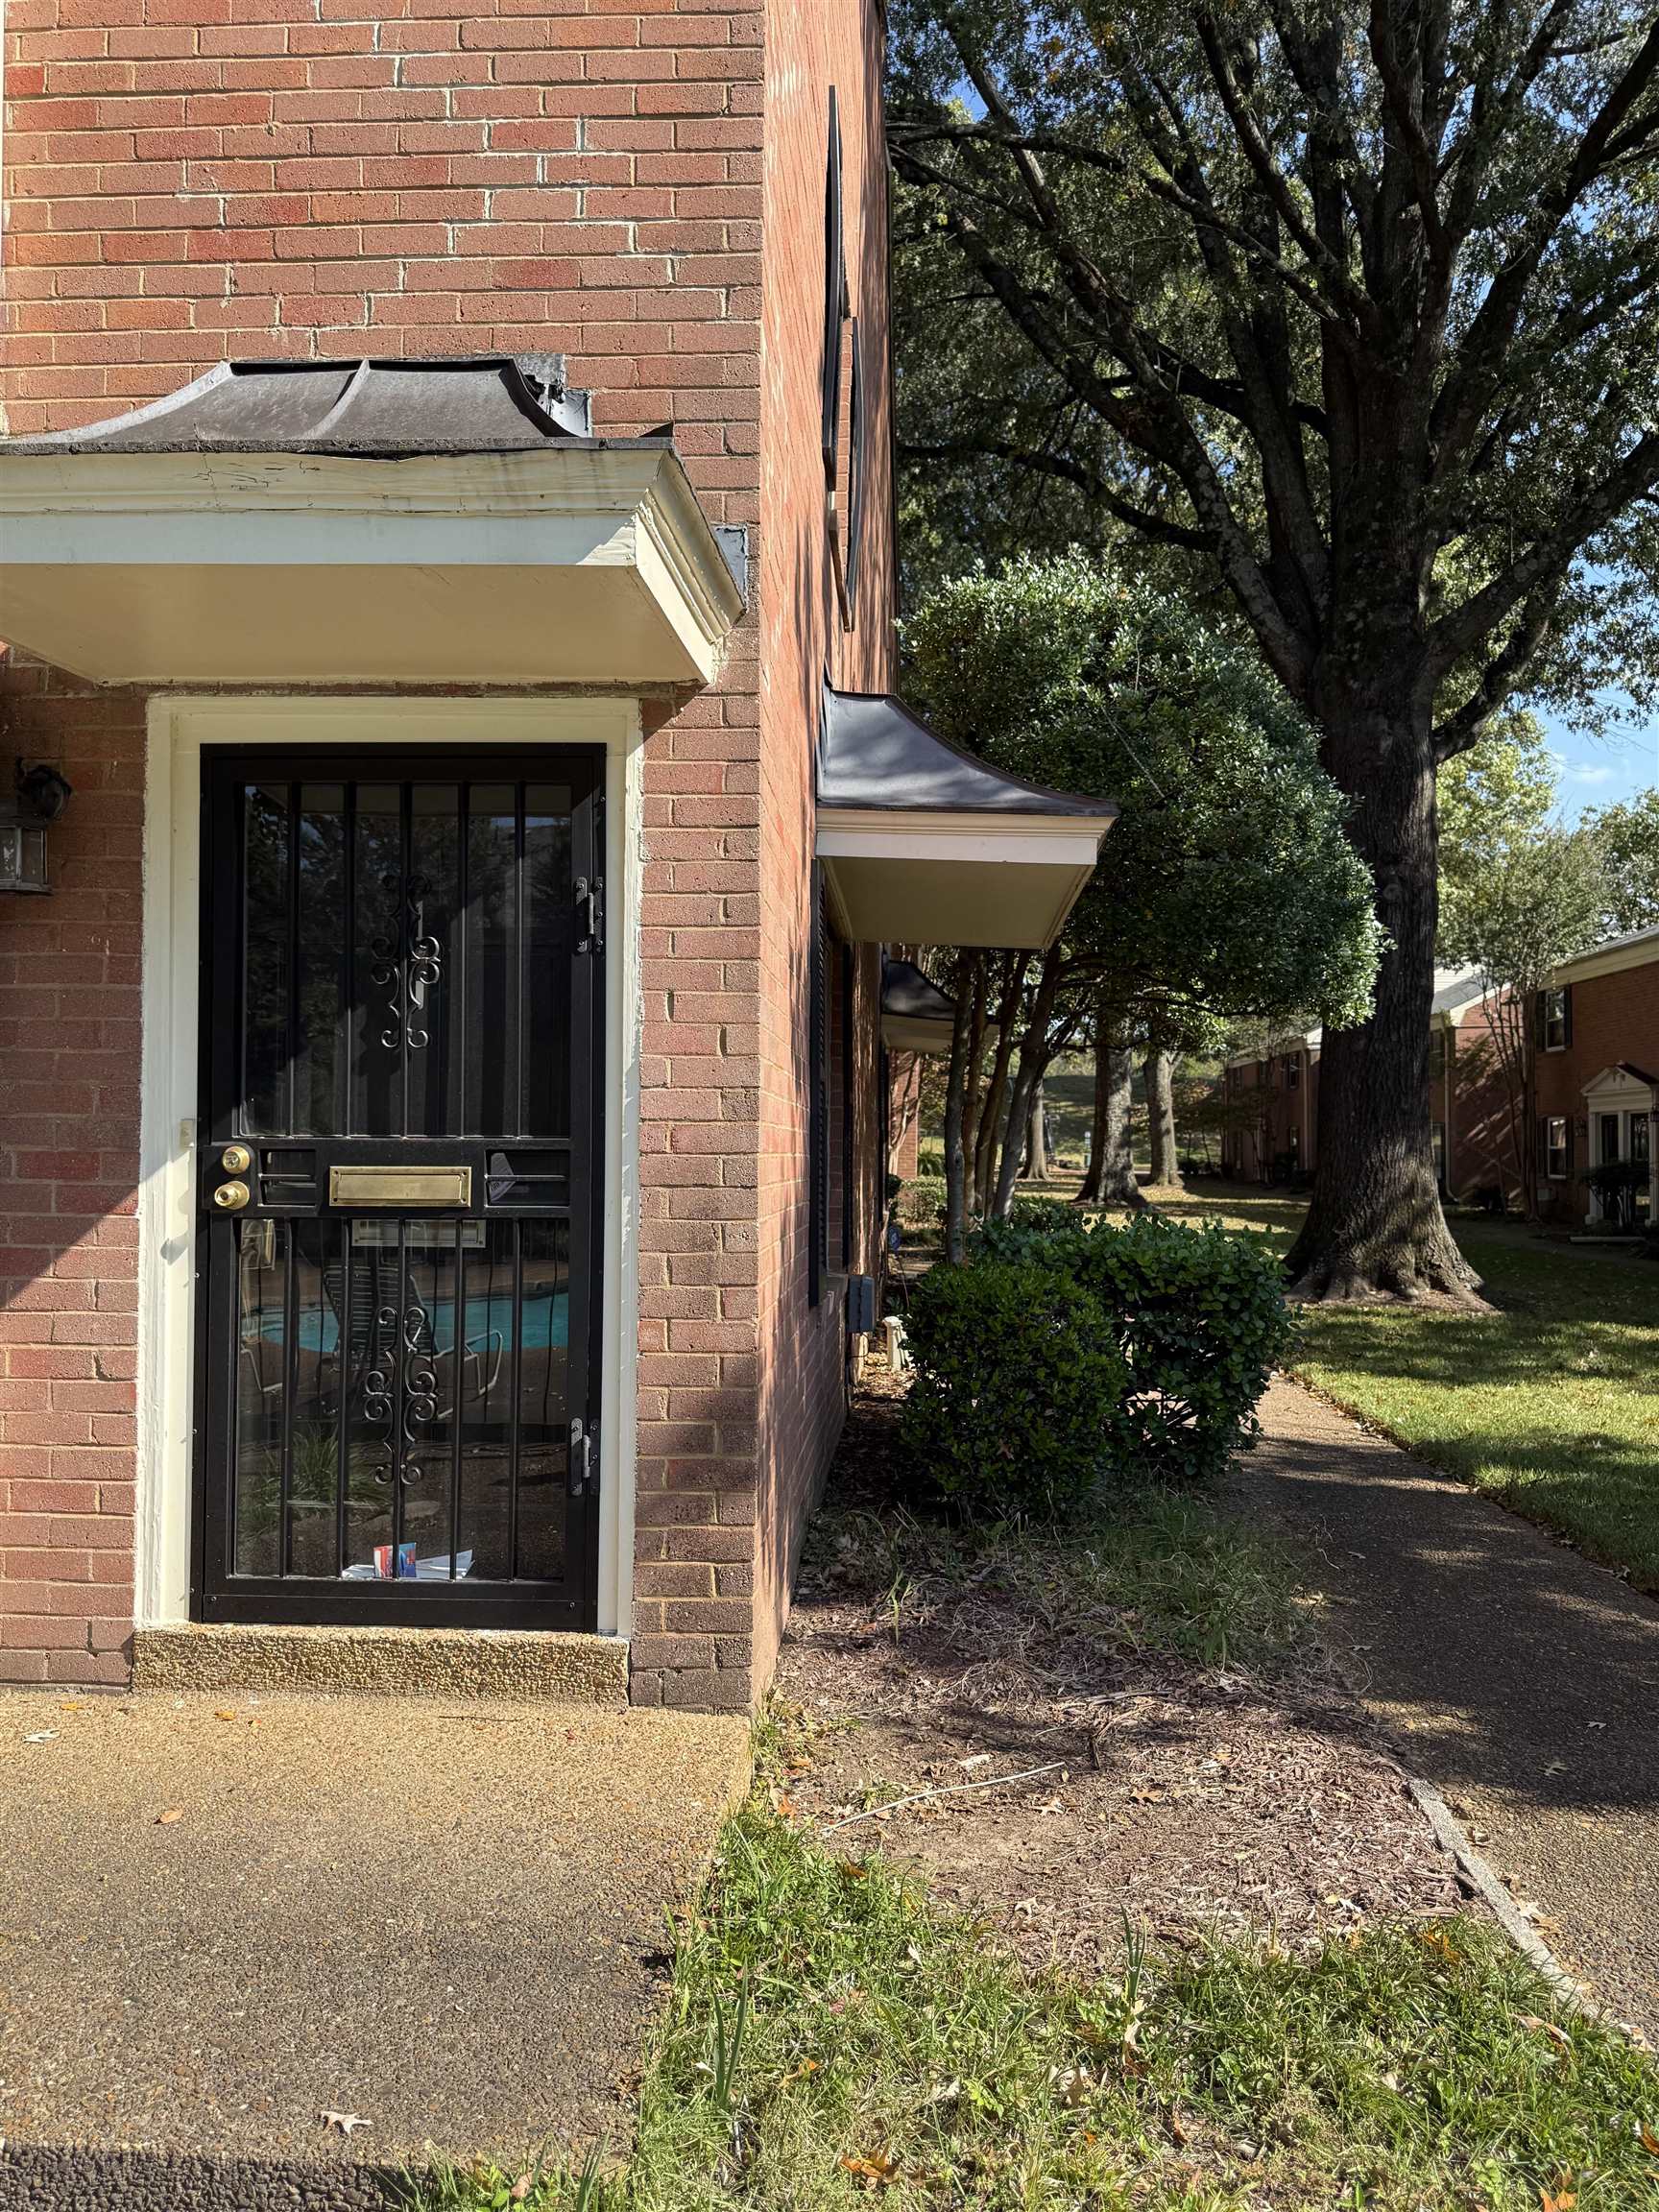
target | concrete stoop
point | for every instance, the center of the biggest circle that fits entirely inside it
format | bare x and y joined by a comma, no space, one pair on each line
231,1920
77,2178
511,1664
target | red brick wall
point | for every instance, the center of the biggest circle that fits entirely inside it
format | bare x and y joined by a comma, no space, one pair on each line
1277,1115
1484,1151
1615,1018
68,1179
189,180
803,1388
905,1114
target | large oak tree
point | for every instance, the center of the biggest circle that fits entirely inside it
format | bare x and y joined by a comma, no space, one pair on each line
1351,306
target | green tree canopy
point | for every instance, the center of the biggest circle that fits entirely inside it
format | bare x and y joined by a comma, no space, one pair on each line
1628,836
1353,312
1227,888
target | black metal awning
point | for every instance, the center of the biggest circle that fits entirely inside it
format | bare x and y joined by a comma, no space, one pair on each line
402,521
924,844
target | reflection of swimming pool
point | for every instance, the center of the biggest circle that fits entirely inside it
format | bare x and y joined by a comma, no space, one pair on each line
487,1326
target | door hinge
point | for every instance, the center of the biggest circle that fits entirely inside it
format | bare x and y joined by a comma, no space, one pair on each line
590,900
580,1475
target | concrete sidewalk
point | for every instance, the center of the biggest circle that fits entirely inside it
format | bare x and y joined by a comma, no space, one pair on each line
1519,1678
222,1917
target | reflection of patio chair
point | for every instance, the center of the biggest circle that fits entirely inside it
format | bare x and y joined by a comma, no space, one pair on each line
376,1289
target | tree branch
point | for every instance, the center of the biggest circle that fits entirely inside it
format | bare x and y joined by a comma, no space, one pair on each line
1546,562
1150,525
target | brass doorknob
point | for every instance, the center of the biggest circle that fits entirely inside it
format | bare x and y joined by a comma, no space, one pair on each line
235,1159
230,1197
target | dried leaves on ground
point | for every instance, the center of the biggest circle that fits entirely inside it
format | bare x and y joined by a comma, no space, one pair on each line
1194,1763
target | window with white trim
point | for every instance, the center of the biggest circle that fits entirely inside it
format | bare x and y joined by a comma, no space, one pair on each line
1554,1020
1558,1147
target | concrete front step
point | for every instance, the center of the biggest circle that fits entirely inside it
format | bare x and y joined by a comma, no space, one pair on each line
225,1918
517,1664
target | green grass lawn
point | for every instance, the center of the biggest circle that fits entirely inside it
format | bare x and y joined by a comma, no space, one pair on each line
832,2036
1550,1404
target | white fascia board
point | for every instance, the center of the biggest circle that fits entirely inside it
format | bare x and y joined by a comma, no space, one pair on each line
1639,952
905,875
913,1033
130,567
1041,840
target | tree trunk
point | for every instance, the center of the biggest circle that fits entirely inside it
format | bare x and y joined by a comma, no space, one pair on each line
955,1165
1034,1052
1161,1121
1118,1185
1036,1145
991,1117
971,1089
1089,1189
1375,1226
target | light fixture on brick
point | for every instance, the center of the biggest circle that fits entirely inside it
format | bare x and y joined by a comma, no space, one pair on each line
37,796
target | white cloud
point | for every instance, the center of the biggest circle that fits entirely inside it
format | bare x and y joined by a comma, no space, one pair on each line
1588,772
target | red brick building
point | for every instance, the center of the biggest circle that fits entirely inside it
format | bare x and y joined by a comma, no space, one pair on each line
1597,1081
1271,1132
447,554
1592,1039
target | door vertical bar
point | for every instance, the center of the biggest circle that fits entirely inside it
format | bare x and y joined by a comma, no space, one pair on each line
458,1364
344,1119
343,1448
586,1188
520,1024
291,955
398,1394
512,1447
290,1381
406,870
458,952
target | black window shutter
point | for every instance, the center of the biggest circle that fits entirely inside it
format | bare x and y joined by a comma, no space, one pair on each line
860,442
1540,1016
834,288
817,1161
848,1156
1566,1014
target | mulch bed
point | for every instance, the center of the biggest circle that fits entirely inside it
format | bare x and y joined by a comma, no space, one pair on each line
1186,1798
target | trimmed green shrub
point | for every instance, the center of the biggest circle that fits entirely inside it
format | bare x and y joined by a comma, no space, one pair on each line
1017,1374
1199,1315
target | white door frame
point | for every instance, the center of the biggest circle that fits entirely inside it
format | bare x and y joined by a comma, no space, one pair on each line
179,727
1631,1100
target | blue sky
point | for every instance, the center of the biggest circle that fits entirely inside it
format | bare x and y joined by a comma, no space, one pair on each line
1598,771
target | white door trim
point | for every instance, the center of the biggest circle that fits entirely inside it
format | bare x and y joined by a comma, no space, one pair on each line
179,727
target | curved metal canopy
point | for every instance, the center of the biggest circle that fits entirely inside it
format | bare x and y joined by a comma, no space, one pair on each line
924,844
402,521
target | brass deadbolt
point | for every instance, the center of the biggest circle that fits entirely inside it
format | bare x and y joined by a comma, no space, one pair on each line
235,1159
230,1197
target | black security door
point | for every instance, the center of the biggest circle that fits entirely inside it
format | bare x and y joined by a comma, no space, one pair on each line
398,1185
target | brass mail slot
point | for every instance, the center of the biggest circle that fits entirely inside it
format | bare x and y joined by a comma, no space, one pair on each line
391,1186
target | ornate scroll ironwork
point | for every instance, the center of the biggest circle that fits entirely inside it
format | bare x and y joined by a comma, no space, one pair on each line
420,1387
408,976
377,1386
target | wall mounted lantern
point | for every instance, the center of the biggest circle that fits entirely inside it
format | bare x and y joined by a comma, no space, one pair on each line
37,796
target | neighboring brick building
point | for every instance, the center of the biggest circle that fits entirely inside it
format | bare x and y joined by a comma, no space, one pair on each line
439,1095
1594,1046
1272,1130
1597,1078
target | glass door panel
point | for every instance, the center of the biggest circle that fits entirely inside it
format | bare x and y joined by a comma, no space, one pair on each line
402,1041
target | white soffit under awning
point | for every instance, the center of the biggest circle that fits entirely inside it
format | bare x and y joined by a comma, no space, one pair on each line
406,522
923,844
